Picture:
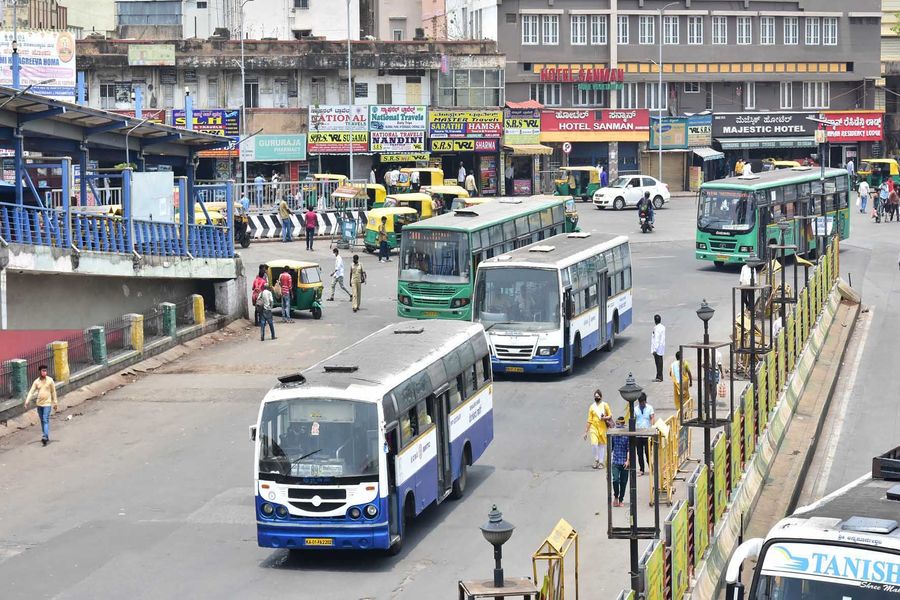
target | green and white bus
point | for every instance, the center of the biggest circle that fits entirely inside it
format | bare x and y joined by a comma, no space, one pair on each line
438,256
738,216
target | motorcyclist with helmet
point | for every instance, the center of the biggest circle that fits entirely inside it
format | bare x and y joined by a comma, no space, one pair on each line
646,204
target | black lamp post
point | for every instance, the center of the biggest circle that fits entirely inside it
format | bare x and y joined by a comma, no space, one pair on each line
630,392
707,402
497,532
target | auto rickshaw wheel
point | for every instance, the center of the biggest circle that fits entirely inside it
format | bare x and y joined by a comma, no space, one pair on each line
245,240
370,249
316,312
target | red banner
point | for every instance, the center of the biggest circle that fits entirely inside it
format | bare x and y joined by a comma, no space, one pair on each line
863,126
631,119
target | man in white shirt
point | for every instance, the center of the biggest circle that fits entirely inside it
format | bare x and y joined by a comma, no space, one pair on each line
395,177
747,278
414,181
644,417
372,175
461,176
510,175
658,345
863,198
337,276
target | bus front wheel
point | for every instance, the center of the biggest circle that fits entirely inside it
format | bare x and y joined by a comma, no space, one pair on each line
459,486
719,263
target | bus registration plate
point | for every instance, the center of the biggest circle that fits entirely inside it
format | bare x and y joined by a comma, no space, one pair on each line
319,542
515,369
430,313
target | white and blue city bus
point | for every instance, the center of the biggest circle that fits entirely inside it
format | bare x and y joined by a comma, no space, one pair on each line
549,303
349,451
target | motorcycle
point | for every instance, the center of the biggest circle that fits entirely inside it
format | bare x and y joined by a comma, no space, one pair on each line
644,218
242,229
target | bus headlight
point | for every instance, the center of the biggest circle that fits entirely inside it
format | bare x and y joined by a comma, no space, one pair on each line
371,511
354,513
281,511
457,302
701,245
746,249
404,299
547,350
267,509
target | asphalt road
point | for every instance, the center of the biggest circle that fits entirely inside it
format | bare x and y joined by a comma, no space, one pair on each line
147,492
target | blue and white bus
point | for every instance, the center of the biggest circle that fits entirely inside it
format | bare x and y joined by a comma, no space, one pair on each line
547,304
349,451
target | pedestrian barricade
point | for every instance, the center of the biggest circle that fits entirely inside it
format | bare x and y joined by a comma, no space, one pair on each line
553,552
667,440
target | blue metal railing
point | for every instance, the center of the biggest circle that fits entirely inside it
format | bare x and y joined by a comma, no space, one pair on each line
98,232
33,225
158,239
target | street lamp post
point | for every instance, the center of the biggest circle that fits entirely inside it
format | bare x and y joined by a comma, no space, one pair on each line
350,98
243,90
660,88
497,532
705,313
16,62
630,392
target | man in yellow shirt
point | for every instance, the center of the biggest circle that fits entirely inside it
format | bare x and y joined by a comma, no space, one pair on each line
44,391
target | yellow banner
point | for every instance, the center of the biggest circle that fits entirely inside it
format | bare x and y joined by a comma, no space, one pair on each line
414,157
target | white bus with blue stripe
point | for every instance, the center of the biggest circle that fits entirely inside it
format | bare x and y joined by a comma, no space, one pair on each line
349,451
548,304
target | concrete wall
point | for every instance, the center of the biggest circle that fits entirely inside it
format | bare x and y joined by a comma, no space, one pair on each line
93,15
406,14
41,301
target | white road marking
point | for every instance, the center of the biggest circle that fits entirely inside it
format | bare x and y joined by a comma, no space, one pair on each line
838,417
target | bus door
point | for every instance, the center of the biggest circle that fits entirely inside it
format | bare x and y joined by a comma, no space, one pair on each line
438,409
602,297
805,227
392,438
568,311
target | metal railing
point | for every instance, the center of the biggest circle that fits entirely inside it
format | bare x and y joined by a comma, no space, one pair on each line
117,340
209,241
33,225
157,238
98,232
79,350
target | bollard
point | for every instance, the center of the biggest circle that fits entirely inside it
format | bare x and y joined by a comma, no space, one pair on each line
98,344
199,309
18,369
60,353
168,319
134,332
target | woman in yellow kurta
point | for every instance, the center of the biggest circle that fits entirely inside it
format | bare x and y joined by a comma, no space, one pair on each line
599,416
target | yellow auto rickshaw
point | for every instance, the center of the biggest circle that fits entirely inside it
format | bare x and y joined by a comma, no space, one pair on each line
397,218
308,285
445,195
337,178
422,203
876,170
427,176
578,182
241,219
376,195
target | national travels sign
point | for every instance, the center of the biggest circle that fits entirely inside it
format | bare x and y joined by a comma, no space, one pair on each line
397,118
462,124
338,118
595,125
397,141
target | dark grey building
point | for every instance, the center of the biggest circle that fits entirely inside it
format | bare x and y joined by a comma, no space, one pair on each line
806,56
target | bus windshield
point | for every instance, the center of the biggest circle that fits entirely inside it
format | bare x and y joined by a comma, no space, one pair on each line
319,437
434,256
518,298
729,210
771,587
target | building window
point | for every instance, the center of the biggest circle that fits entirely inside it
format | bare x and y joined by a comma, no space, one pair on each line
530,25
548,94
744,31
599,29
670,31
786,95
201,4
830,31
622,29
791,31
720,31
578,25
317,91
588,97
647,30
767,31
301,4
813,31
471,87
691,87
385,93
651,96
397,35
550,29
695,31
816,94
108,95
749,93
628,96
251,93
280,95
212,92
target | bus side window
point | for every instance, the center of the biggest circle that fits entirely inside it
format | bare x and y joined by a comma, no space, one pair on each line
479,379
486,367
472,376
456,397
627,278
407,430
425,419
461,387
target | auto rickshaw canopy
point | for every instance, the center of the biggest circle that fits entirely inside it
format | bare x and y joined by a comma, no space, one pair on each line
434,175
422,203
881,162
373,217
446,190
329,177
591,171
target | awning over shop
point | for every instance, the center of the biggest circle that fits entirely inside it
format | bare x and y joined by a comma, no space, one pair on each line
767,142
708,154
528,149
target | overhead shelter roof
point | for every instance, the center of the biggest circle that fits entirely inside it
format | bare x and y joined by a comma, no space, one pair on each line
42,117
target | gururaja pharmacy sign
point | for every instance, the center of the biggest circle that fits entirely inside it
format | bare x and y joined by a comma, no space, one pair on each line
274,148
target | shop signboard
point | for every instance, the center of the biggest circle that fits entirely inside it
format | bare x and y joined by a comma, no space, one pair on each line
589,125
397,141
337,142
274,148
521,126
672,133
151,55
484,146
581,74
699,131
216,121
397,118
43,55
338,118
409,157
775,124
855,126
157,116
465,124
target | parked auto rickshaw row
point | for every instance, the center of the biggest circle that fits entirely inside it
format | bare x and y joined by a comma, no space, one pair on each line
876,170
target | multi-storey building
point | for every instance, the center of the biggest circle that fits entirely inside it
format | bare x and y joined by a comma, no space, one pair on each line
725,61
36,14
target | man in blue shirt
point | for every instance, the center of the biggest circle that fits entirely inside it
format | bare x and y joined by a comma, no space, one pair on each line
644,416
619,445
245,203
260,181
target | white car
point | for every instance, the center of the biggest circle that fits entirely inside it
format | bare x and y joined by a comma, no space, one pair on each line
627,190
